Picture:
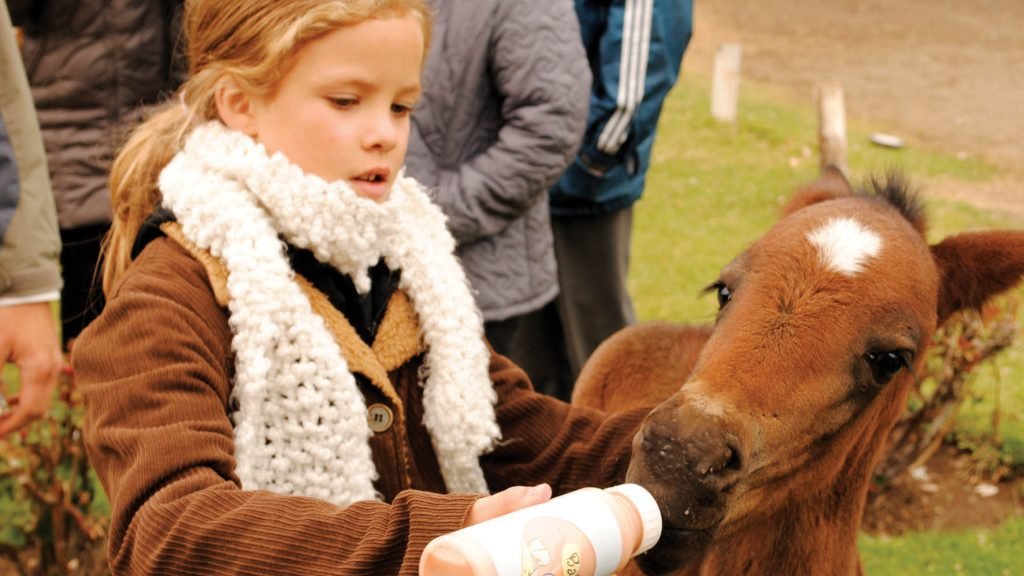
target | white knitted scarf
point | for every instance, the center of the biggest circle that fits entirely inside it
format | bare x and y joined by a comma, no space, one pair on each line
301,427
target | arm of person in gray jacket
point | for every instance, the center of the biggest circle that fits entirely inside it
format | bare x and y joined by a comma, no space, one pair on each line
29,245
540,69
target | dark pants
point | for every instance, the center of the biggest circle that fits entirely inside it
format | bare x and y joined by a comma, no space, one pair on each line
502,333
553,343
81,299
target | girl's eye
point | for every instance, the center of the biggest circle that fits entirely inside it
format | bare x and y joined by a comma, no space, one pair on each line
343,101
401,109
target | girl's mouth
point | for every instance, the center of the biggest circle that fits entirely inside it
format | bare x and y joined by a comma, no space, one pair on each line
371,178
372,184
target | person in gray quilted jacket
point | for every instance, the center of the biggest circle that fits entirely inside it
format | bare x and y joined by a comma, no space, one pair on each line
95,68
506,87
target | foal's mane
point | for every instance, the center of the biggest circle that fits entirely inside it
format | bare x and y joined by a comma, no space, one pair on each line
894,189
891,188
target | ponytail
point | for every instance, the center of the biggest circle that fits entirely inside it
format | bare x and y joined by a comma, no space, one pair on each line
134,192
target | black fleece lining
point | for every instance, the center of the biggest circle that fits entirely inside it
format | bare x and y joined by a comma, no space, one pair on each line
363,311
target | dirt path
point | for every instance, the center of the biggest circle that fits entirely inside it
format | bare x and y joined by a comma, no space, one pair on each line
945,74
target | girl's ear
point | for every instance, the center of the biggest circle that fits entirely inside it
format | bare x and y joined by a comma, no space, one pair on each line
235,107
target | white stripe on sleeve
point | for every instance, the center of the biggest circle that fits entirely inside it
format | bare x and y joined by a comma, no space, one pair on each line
636,40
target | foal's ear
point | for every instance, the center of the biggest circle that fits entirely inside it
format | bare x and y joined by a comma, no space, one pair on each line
830,185
976,266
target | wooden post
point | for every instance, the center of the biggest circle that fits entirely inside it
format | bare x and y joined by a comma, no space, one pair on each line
725,87
832,126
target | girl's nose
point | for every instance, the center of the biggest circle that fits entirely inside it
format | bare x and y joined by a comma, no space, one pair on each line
382,131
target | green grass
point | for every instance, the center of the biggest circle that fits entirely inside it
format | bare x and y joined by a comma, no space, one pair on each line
713,188
10,378
980,552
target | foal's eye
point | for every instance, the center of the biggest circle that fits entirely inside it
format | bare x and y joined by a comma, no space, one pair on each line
724,294
885,365
721,290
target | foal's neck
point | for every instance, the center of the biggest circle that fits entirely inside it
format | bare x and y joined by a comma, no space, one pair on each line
814,531
803,538
810,534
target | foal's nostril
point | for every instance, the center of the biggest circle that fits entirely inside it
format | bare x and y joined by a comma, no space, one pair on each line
735,462
717,462
729,472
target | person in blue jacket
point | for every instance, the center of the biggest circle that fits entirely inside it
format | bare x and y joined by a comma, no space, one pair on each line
635,49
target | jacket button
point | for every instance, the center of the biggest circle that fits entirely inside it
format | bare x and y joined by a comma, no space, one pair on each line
379,417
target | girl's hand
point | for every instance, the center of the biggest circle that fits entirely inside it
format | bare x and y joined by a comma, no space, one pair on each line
506,501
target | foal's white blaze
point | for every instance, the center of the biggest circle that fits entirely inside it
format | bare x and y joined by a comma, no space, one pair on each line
844,245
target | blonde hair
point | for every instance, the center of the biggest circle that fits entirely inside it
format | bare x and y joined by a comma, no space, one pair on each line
254,42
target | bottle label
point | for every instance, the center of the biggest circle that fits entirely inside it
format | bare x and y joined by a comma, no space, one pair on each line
572,560
550,544
573,536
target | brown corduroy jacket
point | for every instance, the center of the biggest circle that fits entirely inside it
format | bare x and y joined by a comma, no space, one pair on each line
155,369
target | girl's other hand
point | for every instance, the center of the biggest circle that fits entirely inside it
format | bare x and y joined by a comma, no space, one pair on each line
506,501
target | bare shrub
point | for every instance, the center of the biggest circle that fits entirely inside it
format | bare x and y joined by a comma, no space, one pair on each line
53,513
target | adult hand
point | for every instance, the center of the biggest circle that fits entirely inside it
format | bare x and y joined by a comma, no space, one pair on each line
28,338
508,500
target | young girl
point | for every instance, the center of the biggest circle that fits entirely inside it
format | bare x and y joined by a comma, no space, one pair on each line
290,375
